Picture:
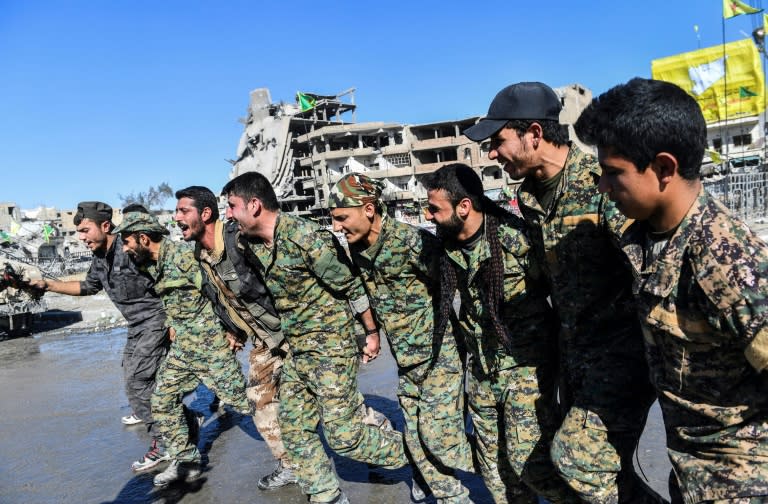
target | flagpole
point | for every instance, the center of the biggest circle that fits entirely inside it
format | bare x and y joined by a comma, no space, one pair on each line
724,123
765,110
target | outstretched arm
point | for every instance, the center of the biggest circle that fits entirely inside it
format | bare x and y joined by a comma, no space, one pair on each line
70,288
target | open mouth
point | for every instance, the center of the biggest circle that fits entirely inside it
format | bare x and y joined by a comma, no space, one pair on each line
182,226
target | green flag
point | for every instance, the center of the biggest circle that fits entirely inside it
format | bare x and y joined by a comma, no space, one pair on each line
745,93
733,8
47,232
306,102
4,237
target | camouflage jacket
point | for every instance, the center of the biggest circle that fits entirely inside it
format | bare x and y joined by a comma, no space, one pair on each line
127,287
704,307
312,284
524,312
178,281
576,243
399,275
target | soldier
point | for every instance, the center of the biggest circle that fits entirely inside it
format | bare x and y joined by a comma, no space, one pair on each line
132,293
604,389
701,281
200,351
399,269
305,270
508,329
245,308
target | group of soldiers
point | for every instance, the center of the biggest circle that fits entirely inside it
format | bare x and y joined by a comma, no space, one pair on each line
622,282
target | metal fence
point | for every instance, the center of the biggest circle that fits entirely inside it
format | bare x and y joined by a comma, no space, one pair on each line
745,194
51,267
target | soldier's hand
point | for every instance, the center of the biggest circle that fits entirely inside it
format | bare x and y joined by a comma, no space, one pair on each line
39,285
171,334
372,347
234,343
36,288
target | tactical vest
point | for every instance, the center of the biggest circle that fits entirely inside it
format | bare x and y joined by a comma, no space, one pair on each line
247,285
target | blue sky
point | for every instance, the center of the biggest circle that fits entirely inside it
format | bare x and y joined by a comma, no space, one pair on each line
103,98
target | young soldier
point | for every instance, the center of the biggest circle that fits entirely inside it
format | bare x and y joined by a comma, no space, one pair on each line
132,293
303,267
604,389
399,268
508,329
701,281
246,309
200,352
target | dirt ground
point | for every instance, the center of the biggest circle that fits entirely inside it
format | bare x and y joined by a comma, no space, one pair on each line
61,439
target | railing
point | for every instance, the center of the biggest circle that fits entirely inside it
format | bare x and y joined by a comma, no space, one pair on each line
53,267
745,194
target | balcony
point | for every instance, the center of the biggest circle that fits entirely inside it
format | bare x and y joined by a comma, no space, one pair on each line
436,143
404,171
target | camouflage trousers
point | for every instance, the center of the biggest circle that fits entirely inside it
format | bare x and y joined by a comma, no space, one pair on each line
593,448
716,463
743,500
433,407
180,373
678,497
514,415
314,389
143,353
264,371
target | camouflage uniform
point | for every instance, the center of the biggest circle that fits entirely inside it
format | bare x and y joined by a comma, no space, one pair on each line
604,386
399,274
309,283
249,319
704,308
147,343
511,390
199,354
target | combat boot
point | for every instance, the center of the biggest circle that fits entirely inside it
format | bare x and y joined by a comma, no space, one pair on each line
178,471
280,477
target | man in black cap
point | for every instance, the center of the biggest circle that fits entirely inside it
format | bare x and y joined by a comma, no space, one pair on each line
132,293
604,389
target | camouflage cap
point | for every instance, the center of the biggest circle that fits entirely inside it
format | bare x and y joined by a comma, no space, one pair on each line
354,190
93,210
140,222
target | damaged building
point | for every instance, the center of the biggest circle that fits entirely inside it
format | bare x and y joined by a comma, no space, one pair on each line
303,148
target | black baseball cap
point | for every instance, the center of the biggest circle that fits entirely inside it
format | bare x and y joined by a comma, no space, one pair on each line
93,210
524,100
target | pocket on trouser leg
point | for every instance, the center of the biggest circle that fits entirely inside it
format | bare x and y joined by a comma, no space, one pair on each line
585,458
143,367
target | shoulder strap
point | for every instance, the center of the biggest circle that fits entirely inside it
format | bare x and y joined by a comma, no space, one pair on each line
252,283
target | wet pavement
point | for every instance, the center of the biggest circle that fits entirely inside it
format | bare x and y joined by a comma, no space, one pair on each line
61,439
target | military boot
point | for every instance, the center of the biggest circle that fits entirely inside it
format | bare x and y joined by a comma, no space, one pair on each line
178,472
282,475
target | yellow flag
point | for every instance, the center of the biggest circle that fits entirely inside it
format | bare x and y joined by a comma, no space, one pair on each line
733,8
714,156
703,74
15,227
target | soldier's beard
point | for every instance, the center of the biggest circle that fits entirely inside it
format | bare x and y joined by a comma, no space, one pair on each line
451,228
141,255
